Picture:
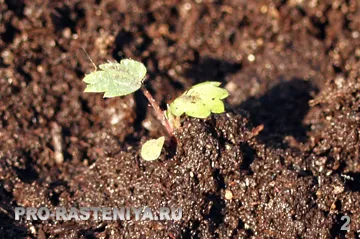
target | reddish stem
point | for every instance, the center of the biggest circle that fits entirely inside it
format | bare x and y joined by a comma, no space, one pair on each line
160,115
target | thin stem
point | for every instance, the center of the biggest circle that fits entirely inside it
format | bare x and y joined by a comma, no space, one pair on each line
158,112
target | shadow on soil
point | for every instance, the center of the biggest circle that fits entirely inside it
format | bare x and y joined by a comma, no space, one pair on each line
354,184
210,69
9,228
281,110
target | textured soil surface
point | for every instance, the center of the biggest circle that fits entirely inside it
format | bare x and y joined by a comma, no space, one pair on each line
292,67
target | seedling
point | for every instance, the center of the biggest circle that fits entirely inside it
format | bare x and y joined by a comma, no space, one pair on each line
119,79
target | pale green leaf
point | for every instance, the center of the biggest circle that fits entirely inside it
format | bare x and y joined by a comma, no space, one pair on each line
116,79
200,101
151,149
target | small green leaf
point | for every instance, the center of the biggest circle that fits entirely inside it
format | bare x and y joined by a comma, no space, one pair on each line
116,79
200,101
151,149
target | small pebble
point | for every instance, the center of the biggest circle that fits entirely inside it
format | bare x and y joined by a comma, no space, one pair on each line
228,194
251,57
66,33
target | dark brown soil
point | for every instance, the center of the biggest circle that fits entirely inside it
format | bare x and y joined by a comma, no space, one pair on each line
291,66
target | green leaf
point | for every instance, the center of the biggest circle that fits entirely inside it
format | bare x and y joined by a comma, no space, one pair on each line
200,101
151,149
116,79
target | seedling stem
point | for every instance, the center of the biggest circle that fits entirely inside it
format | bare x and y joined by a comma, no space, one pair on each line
160,115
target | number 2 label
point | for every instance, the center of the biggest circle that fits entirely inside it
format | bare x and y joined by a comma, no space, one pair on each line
345,226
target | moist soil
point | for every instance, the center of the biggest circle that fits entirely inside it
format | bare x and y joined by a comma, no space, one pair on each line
283,162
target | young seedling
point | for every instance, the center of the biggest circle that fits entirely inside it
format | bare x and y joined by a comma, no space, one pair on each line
119,79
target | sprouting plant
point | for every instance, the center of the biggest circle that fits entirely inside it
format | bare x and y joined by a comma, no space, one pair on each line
118,79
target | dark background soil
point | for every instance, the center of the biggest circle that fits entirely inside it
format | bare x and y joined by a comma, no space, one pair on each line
292,66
